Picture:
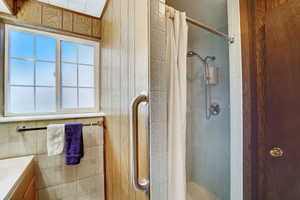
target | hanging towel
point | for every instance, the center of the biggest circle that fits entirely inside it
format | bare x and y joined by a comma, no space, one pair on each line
55,139
73,144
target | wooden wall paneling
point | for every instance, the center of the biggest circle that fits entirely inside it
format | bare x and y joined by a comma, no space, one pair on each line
274,3
96,26
52,17
10,4
67,22
31,12
260,11
82,24
126,189
116,89
106,53
110,105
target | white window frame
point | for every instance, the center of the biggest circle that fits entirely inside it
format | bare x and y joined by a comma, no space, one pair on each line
59,38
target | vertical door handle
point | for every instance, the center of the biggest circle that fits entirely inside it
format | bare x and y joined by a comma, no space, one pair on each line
143,185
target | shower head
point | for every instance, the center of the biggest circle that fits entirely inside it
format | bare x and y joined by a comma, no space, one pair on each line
191,54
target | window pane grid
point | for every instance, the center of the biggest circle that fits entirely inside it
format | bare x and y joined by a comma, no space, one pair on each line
32,60
33,86
73,59
46,85
75,63
16,85
34,70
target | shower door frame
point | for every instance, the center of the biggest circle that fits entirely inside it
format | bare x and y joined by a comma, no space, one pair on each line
158,99
236,103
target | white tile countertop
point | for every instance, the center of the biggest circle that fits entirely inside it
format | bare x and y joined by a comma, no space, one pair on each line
11,172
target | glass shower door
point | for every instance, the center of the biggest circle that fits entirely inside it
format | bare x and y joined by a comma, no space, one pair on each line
208,138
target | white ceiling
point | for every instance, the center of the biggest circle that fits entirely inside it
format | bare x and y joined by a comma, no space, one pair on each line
210,12
3,7
88,7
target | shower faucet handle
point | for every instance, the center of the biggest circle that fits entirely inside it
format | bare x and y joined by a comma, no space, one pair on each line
215,109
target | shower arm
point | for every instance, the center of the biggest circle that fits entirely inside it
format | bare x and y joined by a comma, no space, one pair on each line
204,60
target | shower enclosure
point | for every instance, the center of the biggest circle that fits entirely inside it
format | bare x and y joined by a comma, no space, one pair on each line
208,122
208,102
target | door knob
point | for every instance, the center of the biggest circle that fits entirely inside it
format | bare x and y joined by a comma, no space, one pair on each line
276,152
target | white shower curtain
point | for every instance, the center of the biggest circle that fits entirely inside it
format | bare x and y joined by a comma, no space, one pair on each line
177,31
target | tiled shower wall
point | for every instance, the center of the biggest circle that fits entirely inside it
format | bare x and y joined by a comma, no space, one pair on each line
158,97
208,141
55,180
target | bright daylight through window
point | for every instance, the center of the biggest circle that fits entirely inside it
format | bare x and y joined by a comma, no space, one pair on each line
49,73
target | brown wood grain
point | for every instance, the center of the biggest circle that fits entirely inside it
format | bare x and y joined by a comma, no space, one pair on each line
96,28
52,17
253,15
31,193
67,21
24,184
31,12
282,47
249,86
259,45
82,24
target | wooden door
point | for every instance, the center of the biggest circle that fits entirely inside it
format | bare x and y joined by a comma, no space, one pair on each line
282,61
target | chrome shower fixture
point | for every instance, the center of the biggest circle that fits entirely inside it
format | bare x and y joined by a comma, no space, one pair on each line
211,78
191,54
206,59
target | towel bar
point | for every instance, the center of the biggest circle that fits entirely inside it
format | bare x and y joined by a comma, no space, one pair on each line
24,128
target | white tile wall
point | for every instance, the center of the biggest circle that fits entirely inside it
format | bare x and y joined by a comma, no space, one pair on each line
54,179
158,98
207,138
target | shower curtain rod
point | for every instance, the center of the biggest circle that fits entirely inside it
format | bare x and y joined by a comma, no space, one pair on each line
209,29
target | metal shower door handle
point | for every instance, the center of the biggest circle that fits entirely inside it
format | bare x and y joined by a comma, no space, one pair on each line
143,185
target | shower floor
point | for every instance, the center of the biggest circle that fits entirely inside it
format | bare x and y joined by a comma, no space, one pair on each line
196,192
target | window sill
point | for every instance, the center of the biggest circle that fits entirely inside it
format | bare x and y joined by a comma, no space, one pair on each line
50,117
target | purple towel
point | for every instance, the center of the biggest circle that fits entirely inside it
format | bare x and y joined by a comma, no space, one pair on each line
73,144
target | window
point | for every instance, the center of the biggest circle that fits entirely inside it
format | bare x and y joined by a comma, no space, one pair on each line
49,73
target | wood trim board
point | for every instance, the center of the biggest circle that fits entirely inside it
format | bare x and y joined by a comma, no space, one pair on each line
34,13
